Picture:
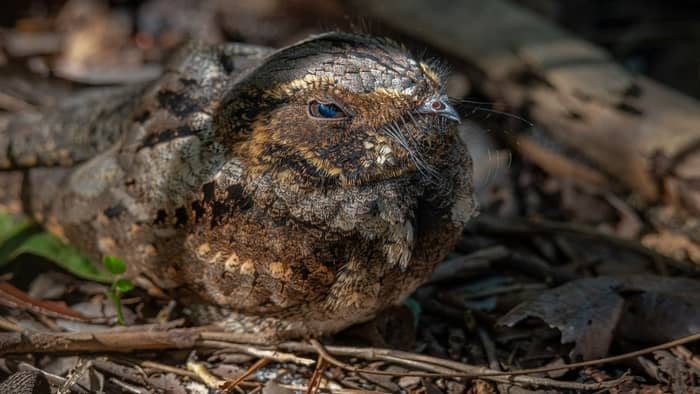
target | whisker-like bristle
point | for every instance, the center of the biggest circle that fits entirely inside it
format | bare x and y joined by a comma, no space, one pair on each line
420,158
393,131
399,130
478,107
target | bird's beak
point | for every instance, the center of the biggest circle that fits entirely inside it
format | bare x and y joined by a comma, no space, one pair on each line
440,106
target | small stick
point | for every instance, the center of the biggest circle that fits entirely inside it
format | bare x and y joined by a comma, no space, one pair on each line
228,387
167,368
257,352
204,375
315,381
487,374
490,350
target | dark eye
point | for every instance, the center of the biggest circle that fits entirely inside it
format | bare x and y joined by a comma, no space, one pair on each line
325,110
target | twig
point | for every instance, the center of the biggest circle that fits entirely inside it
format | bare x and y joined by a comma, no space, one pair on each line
181,371
12,297
113,367
167,368
228,387
490,350
474,372
315,381
204,375
80,368
321,350
236,337
7,324
98,341
123,372
480,372
262,353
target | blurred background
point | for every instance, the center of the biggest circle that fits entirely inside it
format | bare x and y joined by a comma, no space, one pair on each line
658,39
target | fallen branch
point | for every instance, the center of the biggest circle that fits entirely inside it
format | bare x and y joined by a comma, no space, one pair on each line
99,341
122,341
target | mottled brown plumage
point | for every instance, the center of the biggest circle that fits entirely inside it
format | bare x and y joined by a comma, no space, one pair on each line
300,191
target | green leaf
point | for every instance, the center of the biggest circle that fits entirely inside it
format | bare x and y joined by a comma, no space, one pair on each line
117,300
13,232
123,285
115,265
65,256
11,226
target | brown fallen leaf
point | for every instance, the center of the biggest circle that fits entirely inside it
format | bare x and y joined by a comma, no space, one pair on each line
586,312
590,312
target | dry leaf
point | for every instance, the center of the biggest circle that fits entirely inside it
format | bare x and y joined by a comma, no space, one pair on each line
589,312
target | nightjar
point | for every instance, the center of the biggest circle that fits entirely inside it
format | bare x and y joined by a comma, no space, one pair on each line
297,191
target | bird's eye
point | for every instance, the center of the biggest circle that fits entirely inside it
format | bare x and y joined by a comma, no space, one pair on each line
325,110
438,105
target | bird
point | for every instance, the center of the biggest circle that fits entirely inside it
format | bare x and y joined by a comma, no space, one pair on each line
279,193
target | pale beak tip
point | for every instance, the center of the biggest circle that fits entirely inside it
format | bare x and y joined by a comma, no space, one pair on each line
451,113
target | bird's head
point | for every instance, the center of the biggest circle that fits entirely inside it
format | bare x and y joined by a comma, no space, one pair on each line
339,109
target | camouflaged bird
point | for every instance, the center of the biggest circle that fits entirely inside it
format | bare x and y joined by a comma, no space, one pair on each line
301,190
